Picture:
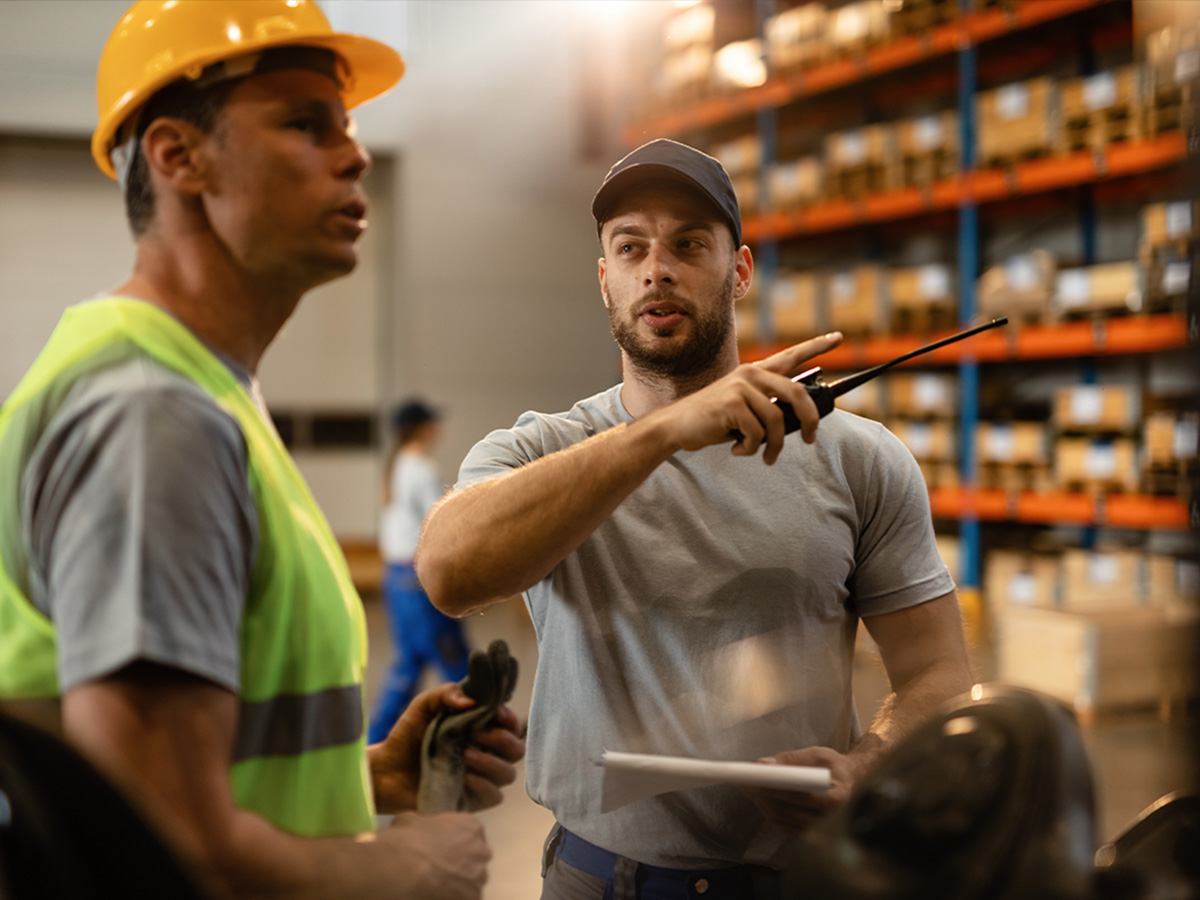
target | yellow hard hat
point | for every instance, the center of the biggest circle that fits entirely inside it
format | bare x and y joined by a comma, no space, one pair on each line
160,41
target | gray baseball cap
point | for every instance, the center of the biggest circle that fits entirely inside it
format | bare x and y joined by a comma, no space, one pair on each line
667,160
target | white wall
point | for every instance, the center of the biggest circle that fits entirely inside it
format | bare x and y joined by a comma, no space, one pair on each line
478,286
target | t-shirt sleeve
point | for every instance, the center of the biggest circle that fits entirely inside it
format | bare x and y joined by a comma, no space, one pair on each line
143,527
897,563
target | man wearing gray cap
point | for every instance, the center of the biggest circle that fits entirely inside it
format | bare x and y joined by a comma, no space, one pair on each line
688,599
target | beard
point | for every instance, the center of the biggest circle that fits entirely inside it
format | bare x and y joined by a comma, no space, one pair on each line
688,359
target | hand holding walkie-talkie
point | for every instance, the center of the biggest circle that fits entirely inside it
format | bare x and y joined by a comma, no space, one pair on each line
824,393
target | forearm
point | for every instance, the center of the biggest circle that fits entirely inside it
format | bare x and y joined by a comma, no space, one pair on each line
908,706
495,539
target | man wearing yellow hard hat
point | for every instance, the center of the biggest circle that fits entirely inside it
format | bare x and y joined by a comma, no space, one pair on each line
165,573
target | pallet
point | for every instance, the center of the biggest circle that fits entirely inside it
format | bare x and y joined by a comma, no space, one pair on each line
1096,130
855,182
924,319
919,16
927,168
1002,159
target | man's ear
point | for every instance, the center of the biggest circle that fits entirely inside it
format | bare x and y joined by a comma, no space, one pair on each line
745,271
603,264
172,148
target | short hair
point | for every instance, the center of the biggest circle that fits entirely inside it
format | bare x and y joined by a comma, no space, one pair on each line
182,99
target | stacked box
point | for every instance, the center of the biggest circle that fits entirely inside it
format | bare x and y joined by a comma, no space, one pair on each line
856,301
1102,580
740,156
796,182
939,474
1173,586
922,297
861,161
1012,443
1023,579
1170,438
865,400
1100,109
927,440
916,16
855,27
1106,288
1022,288
1168,281
1169,223
1097,407
1091,464
918,394
928,148
745,188
1016,121
1099,661
1172,77
796,38
795,305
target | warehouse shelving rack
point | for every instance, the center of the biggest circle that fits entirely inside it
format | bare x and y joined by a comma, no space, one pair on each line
962,194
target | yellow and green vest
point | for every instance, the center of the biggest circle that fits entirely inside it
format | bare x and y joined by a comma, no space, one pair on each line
299,759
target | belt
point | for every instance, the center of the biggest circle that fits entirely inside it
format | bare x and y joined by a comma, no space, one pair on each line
633,880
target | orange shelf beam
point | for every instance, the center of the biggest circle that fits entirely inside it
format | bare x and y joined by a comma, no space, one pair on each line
1060,507
1097,337
897,54
984,186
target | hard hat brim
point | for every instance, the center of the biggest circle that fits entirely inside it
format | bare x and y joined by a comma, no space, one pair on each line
373,67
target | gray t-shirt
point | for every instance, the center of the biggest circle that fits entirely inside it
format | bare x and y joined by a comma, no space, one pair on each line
141,527
713,615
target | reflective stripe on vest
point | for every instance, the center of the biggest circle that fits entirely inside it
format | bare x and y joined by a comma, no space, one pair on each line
299,757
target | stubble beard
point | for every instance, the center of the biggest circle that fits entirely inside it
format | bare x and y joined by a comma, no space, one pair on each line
692,359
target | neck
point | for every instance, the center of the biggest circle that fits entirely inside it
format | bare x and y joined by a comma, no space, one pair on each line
643,391
234,314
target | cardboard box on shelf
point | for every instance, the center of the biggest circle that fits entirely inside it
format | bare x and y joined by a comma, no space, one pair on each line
1097,407
856,300
1016,121
796,305
796,37
928,147
1022,287
1164,223
1100,109
1170,438
741,155
927,440
950,549
1017,443
922,298
1099,661
1094,580
796,182
865,400
932,394
1082,463
1022,579
1173,585
1110,287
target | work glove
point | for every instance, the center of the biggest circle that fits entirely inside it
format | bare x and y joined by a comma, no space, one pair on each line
490,680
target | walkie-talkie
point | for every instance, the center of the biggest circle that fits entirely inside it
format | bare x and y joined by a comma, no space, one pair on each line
824,393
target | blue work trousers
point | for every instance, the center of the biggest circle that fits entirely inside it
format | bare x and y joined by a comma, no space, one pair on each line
421,636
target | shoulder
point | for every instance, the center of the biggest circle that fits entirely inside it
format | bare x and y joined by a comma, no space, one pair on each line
537,434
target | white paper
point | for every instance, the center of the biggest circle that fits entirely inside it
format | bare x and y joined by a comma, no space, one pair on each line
933,282
1100,91
1000,444
1022,588
852,148
1187,65
1100,461
1087,404
1012,102
929,392
927,133
1074,288
1021,273
1179,219
1186,438
1176,276
635,776
1103,568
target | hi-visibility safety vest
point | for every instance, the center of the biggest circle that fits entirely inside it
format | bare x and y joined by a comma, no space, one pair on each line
299,758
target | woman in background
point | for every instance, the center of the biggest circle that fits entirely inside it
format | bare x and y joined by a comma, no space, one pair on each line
420,634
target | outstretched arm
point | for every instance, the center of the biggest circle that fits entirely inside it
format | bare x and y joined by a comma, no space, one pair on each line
492,540
925,656
166,737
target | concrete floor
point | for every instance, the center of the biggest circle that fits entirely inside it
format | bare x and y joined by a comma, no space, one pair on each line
1136,758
